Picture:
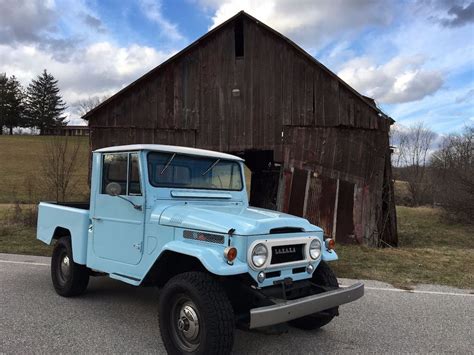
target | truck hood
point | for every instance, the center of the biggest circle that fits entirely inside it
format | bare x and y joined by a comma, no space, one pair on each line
220,219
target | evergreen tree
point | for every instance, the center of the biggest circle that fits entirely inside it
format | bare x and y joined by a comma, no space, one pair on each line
15,111
3,100
45,105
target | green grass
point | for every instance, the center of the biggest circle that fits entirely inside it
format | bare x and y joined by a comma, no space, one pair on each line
431,251
20,158
16,238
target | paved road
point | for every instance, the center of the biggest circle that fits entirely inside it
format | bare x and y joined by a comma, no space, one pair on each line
116,318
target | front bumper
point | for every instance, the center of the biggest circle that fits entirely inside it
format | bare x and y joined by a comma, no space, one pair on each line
289,310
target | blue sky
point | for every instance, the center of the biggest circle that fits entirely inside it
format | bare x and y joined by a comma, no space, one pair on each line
415,57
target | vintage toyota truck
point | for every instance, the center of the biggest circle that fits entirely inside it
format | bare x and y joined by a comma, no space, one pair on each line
178,218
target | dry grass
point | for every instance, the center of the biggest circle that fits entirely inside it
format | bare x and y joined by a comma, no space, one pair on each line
16,238
431,251
20,166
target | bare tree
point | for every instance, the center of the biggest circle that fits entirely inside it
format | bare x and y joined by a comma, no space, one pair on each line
453,170
412,158
59,164
84,106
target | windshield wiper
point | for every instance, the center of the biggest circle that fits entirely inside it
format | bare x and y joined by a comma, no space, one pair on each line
210,168
167,163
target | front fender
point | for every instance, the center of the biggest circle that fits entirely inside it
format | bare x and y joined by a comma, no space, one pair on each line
211,258
329,255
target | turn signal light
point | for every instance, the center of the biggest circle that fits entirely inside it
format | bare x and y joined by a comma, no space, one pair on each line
230,253
330,243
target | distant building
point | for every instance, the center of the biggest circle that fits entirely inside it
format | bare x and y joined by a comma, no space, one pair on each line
315,146
67,131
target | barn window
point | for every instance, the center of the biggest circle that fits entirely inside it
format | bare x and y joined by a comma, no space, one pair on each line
239,38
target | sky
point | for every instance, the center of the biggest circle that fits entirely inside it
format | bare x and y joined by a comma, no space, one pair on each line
414,57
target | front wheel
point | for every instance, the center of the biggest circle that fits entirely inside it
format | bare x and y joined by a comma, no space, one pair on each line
195,316
69,278
322,276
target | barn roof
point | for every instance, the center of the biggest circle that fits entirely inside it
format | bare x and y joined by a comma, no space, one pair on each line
368,101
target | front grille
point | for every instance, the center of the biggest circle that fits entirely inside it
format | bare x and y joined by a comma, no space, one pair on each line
287,253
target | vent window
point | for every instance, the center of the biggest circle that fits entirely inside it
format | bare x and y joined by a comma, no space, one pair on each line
239,38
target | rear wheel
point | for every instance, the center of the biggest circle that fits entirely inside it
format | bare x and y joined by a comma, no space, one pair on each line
69,278
195,316
322,276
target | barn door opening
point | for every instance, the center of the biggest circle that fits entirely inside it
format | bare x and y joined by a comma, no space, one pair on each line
264,179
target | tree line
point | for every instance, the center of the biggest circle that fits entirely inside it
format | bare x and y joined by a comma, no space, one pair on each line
443,176
39,106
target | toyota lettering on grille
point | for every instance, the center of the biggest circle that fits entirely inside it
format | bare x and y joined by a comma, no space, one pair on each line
289,250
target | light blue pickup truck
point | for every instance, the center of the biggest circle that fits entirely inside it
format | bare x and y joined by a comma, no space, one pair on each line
178,218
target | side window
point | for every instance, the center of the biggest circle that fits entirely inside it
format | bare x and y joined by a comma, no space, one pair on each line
134,175
115,170
122,168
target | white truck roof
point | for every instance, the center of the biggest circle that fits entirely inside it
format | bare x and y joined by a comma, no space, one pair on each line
169,149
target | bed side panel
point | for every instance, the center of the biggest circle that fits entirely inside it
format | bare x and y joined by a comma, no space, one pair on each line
76,221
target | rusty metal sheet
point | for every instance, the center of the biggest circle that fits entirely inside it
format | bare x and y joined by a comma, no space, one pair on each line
345,221
327,204
298,190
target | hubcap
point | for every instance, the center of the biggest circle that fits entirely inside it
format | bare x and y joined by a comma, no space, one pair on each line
64,268
185,324
188,322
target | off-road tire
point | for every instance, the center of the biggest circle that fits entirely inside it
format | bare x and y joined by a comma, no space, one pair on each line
323,276
74,281
214,311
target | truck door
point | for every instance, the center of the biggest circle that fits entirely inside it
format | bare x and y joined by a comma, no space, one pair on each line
118,225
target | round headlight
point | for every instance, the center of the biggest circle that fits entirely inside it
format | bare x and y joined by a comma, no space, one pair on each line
259,255
315,249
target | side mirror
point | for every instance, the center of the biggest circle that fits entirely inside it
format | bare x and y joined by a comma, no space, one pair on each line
113,189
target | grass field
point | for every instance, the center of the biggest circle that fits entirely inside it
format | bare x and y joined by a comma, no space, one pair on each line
20,158
16,238
431,251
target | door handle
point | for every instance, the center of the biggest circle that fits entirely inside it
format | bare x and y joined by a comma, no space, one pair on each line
98,219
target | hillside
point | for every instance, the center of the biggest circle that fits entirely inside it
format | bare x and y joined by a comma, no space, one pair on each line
21,158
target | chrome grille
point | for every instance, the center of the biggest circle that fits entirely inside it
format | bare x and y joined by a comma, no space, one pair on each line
287,253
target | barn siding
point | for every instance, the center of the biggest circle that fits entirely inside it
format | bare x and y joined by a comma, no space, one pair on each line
287,103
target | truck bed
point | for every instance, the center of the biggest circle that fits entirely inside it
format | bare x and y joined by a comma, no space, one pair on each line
59,219
80,205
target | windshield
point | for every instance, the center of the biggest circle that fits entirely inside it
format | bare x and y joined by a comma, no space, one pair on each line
193,172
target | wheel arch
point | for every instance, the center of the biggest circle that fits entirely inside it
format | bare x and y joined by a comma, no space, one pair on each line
77,244
169,264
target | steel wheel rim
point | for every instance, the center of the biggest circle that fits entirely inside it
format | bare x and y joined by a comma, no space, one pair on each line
64,267
185,324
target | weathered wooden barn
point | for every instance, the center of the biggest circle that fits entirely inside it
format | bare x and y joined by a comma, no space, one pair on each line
316,147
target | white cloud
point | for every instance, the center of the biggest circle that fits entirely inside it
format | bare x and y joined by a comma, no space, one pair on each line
152,10
24,20
96,70
311,24
402,79
73,44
